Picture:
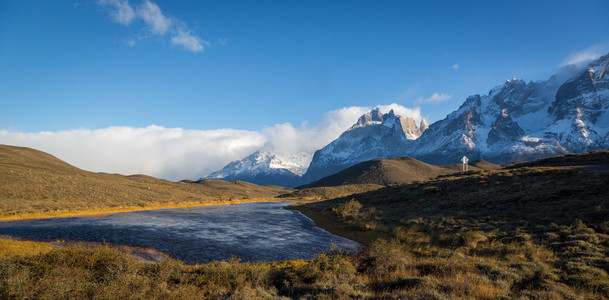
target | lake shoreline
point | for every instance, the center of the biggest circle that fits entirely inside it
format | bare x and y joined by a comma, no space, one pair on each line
106,211
194,235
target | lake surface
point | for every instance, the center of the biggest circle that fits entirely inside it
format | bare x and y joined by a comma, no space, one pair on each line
261,231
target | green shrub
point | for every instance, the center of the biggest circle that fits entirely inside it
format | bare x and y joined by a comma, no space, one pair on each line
348,210
329,269
362,219
384,257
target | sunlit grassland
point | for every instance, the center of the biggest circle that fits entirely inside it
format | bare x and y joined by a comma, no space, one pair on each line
34,184
533,232
15,247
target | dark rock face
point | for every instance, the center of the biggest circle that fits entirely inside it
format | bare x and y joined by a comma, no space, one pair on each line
517,97
504,129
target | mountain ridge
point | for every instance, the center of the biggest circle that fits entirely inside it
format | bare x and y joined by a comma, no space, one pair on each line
568,113
515,121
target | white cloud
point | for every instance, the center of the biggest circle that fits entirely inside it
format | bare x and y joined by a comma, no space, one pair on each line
171,153
130,43
434,98
122,12
156,22
223,41
287,139
583,56
456,66
176,154
184,38
152,15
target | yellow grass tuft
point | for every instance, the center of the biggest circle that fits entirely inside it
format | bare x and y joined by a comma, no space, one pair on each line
15,247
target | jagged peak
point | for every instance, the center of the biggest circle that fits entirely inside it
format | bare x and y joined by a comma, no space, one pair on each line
423,125
391,118
372,117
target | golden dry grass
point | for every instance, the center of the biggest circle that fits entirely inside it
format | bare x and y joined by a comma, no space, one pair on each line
15,247
526,233
33,183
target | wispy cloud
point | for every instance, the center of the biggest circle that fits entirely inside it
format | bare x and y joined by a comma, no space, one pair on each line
130,42
184,38
223,41
434,98
121,11
176,154
156,22
152,15
584,56
456,66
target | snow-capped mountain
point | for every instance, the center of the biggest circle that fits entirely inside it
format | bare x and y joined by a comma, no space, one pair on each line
516,121
525,121
568,113
264,167
375,135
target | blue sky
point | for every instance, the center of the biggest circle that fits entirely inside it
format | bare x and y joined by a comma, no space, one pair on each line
251,65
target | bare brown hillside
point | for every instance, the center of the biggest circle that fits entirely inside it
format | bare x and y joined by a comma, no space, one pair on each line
33,181
399,170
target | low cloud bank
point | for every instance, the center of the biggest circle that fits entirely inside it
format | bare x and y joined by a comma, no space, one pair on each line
176,154
170,153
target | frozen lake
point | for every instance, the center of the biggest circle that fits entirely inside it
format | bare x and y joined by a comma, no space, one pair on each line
261,231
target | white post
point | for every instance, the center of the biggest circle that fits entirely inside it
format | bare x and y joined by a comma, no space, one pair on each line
465,166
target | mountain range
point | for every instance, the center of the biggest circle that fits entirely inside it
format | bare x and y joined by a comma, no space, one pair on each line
515,121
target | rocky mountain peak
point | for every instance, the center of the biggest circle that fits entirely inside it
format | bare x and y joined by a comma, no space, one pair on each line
375,135
588,91
375,116
410,128
423,125
504,129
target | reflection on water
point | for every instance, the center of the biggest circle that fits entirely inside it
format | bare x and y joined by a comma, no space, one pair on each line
251,231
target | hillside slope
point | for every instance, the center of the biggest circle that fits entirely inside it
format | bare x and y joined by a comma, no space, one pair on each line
531,232
34,181
398,170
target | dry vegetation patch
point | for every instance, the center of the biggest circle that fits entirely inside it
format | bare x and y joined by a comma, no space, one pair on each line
522,233
36,184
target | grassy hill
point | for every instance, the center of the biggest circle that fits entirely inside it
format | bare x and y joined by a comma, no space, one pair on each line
32,181
527,232
399,170
594,158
